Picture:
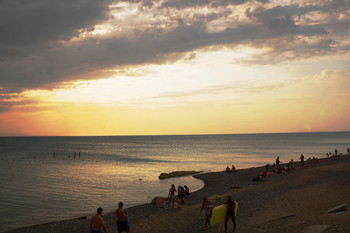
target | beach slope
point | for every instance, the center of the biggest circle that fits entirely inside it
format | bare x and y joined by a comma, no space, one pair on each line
294,202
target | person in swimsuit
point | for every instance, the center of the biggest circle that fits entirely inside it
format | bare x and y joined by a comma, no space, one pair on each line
179,194
207,206
171,196
122,219
187,190
230,213
97,224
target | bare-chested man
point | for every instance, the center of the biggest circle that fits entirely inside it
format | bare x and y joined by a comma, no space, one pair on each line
171,196
122,219
97,224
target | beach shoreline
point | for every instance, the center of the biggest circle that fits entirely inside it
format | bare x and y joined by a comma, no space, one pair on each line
253,198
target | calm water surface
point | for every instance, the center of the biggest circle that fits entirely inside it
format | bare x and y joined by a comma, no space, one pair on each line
36,187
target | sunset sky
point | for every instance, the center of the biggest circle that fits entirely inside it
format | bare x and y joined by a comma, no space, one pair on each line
142,67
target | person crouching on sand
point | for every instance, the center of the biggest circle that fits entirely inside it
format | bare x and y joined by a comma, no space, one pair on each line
122,219
97,224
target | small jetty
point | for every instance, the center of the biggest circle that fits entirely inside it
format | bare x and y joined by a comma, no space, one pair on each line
177,174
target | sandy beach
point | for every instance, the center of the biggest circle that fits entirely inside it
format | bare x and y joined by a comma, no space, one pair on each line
292,202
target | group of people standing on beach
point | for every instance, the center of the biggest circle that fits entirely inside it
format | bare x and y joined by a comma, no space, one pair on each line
182,192
97,224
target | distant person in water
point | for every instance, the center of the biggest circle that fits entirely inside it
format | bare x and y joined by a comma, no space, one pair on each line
122,219
336,152
171,196
348,151
97,224
230,213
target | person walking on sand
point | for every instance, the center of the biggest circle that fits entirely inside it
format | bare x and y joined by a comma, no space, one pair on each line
171,196
230,213
122,219
207,206
97,224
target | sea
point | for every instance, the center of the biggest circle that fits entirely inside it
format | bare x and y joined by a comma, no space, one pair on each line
46,179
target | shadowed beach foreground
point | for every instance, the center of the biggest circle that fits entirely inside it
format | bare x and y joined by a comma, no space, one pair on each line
293,202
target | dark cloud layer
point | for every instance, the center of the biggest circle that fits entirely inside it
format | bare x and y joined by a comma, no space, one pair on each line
38,23
32,56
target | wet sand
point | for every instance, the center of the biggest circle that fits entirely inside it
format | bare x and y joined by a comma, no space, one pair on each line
292,202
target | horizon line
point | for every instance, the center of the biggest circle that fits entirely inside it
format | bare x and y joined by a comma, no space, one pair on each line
155,135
